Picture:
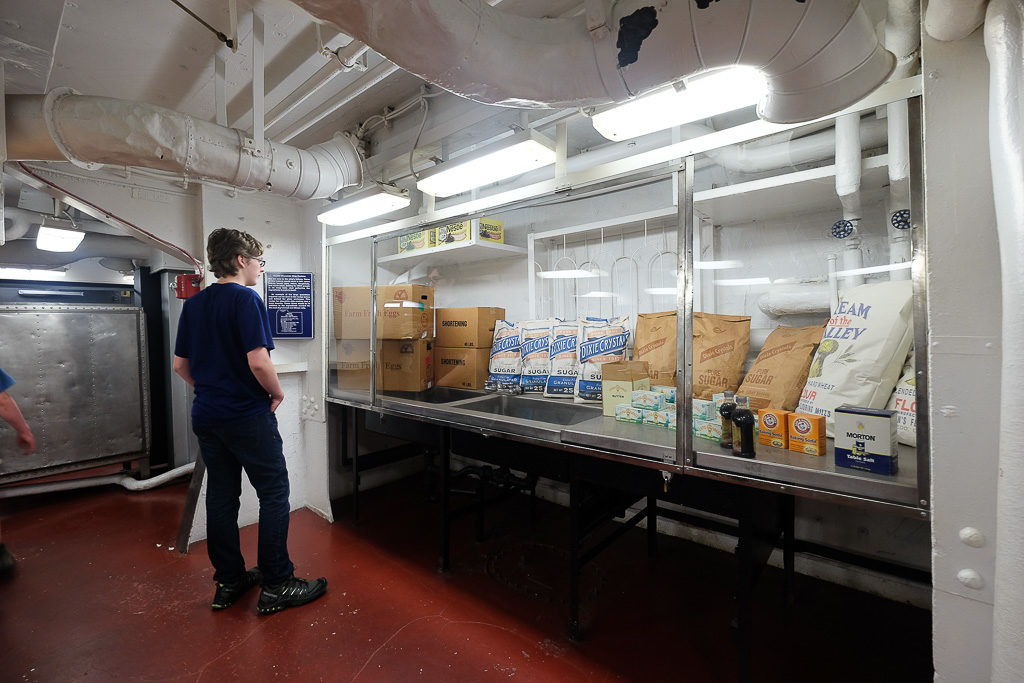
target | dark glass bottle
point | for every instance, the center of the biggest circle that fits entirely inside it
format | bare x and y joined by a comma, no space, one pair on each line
725,410
743,428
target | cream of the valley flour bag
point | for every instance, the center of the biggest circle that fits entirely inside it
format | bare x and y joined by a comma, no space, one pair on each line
862,350
904,402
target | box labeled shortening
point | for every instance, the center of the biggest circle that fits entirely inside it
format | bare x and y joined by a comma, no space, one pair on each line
806,433
467,327
464,368
866,439
774,427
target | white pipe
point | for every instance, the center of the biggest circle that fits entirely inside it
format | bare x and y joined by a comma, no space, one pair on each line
852,258
817,57
848,163
897,113
795,298
953,19
128,482
833,284
903,36
899,252
1004,45
21,220
92,131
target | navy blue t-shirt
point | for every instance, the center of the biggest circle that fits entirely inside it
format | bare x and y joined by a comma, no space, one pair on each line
217,328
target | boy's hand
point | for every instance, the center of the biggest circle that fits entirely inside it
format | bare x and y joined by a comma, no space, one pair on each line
27,442
275,401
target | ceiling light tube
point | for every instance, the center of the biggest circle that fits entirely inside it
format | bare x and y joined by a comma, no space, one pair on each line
512,156
31,274
56,239
567,274
700,97
743,282
716,265
665,291
875,269
380,200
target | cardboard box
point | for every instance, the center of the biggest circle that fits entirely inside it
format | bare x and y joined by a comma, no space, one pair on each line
465,368
404,365
707,429
774,427
627,413
806,433
491,230
665,417
414,241
866,439
618,382
454,232
403,312
467,327
648,400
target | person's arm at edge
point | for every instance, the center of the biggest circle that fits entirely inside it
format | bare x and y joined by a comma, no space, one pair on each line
11,414
184,369
263,368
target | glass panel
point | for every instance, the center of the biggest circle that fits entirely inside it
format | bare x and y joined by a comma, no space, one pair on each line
348,351
791,279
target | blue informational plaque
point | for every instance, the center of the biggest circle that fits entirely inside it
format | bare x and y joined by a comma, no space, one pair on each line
290,304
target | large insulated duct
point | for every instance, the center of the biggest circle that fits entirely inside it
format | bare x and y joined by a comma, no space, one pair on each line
818,57
1004,45
953,19
91,131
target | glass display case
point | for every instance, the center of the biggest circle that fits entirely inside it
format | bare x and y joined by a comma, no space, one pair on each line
800,291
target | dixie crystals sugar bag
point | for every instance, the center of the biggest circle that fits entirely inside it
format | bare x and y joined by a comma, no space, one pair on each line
506,365
862,350
600,342
564,363
535,339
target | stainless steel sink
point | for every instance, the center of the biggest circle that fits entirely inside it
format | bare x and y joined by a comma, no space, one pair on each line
436,395
538,410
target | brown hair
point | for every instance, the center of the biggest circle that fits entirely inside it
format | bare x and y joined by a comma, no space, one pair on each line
224,244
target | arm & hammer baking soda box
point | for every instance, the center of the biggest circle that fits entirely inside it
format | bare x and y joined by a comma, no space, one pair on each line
866,439
806,433
774,427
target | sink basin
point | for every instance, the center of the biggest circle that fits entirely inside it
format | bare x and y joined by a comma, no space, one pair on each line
551,412
437,395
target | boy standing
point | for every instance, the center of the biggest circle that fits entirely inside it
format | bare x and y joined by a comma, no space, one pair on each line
223,350
11,414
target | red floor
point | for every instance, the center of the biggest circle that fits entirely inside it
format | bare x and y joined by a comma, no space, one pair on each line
100,595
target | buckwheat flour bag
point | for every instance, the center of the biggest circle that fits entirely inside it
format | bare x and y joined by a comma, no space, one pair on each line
777,377
904,402
862,351
655,342
506,366
720,345
600,342
535,337
565,365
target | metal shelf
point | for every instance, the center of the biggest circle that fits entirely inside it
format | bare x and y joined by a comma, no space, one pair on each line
457,252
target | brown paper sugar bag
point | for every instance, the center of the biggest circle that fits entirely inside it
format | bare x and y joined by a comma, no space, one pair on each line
655,342
720,345
777,377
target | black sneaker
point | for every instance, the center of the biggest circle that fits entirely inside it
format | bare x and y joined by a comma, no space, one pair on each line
291,593
6,561
228,593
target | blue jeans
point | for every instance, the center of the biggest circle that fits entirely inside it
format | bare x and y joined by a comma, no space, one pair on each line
253,444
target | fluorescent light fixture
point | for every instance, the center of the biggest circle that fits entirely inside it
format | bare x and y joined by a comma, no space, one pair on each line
702,96
511,156
128,279
658,291
875,269
31,274
567,274
56,239
380,200
716,265
743,282
597,295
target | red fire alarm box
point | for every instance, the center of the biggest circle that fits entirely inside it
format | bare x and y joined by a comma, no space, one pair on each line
186,285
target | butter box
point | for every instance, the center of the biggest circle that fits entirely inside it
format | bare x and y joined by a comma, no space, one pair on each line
866,439
806,433
648,400
704,410
627,413
774,428
670,392
707,429
661,418
618,382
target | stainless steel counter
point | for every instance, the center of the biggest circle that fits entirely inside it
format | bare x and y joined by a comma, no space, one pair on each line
558,423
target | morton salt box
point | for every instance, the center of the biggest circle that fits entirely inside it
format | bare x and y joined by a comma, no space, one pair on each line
467,327
866,439
403,312
465,368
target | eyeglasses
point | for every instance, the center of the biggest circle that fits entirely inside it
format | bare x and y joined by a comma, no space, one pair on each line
260,261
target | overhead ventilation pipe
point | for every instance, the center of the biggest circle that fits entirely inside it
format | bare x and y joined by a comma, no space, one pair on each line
953,19
848,170
92,131
1004,45
818,57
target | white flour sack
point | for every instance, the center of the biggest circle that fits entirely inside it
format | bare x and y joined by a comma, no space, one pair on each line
600,342
535,345
506,366
904,402
564,363
862,350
